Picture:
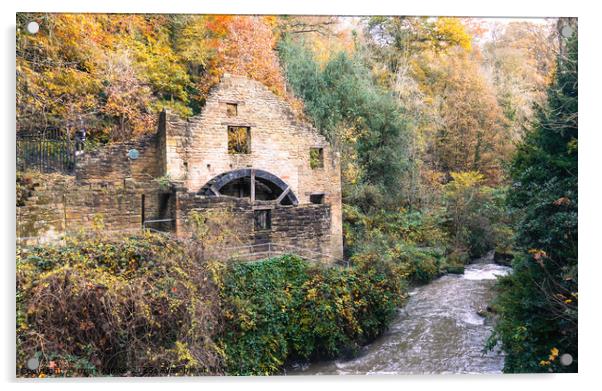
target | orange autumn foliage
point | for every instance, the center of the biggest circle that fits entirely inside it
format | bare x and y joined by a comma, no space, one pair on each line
244,46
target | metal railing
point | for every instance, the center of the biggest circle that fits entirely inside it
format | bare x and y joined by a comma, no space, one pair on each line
159,225
48,151
258,251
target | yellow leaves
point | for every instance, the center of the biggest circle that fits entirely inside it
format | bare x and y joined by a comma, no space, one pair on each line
551,358
467,178
538,255
351,173
162,69
216,271
185,355
98,222
453,31
270,20
572,146
194,44
468,114
326,46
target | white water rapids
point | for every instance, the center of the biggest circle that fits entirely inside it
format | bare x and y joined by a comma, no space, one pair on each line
438,331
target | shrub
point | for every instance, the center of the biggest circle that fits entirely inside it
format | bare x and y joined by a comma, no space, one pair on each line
420,265
143,306
477,219
412,240
284,309
139,306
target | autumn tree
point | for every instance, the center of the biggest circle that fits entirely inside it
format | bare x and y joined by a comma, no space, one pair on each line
400,49
518,60
472,133
125,97
325,36
243,45
104,73
58,72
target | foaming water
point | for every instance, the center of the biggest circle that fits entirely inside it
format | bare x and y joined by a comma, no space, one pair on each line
438,331
487,271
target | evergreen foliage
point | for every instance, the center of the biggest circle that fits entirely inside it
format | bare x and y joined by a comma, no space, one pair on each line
538,302
354,113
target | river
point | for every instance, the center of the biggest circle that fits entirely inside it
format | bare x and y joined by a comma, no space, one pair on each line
438,331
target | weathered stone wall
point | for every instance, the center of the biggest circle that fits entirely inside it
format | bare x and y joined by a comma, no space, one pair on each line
61,205
197,149
304,226
112,164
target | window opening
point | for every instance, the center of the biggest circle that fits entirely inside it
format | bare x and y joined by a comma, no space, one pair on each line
316,198
263,219
232,109
239,139
316,158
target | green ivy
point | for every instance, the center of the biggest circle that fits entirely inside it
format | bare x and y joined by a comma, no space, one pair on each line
283,309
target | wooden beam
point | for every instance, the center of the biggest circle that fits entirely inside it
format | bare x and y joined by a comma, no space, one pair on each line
284,193
215,191
252,186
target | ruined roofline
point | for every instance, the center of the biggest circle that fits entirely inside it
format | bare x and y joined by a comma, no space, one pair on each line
305,124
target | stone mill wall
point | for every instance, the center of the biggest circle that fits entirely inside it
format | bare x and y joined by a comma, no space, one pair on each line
112,164
60,205
197,149
112,191
304,226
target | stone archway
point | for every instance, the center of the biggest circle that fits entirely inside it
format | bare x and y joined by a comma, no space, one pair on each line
252,183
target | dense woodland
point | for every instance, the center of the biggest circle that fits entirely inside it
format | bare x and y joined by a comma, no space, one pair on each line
457,136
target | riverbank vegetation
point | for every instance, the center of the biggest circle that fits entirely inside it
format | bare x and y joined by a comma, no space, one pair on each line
538,302
138,306
144,306
450,148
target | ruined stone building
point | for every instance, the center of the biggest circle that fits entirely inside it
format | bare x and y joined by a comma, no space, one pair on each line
245,152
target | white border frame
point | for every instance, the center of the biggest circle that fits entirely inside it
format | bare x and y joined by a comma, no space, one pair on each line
589,177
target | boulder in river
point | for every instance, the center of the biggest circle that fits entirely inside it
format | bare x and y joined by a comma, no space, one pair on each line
504,259
485,311
455,269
